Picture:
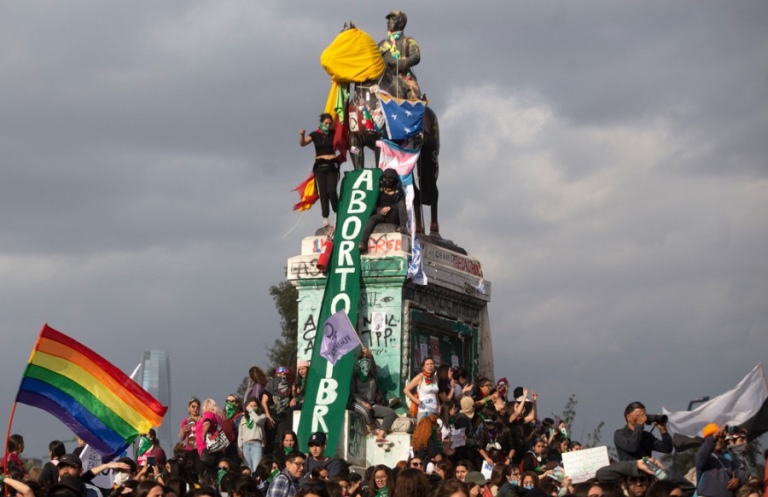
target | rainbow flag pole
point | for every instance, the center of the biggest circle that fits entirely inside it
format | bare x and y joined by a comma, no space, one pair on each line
95,399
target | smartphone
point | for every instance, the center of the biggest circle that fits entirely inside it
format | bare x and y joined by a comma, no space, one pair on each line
151,461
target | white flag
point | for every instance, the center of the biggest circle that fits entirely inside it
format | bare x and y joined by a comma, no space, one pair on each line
734,407
339,337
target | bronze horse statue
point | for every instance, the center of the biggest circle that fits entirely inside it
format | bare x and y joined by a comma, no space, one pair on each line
364,119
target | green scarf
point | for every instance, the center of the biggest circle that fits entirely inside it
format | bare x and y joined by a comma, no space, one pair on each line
248,421
272,475
288,450
230,410
382,492
144,445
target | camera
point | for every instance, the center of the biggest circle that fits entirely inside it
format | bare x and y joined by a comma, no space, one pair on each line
657,418
731,429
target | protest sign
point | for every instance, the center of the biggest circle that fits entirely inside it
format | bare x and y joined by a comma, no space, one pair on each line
581,465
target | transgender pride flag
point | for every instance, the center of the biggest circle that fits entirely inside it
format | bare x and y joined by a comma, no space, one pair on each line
403,160
393,156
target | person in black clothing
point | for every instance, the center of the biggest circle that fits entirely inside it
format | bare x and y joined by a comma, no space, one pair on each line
390,207
326,167
50,473
367,402
633,443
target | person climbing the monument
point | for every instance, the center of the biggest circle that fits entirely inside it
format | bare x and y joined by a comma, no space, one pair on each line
326,166
400,54
390,207
366,397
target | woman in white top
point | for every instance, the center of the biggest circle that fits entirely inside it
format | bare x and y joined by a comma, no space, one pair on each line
425,384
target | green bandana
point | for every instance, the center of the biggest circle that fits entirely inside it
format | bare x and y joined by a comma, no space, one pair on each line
230,410
248,421
222,472
272,475
144,445
288,450
382,492
325,128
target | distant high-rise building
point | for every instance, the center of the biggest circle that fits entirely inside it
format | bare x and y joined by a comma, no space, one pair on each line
155,377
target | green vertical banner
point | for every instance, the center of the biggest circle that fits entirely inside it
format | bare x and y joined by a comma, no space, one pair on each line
328,384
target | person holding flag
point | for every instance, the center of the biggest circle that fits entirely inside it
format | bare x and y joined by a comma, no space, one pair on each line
326,166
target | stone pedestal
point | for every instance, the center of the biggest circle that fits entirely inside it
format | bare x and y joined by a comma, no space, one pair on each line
400,322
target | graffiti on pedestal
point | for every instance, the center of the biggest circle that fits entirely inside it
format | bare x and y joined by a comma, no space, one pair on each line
303,269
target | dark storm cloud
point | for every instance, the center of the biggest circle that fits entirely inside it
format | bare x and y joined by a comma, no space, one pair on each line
604,161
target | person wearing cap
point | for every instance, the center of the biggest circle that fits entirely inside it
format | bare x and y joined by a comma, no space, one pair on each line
633,442
317,457
478,486
400,54
67,486
719,475
286,483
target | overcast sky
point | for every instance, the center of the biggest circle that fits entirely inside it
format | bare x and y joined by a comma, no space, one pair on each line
605,161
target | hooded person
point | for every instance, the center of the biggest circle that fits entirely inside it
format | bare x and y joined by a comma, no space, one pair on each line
462,424
367,401
390,207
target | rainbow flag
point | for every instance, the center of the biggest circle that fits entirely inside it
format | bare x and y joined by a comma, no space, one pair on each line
96,400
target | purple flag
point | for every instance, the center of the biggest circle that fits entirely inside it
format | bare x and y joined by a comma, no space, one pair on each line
339,337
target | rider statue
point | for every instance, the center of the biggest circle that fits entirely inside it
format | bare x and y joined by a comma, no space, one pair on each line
400,54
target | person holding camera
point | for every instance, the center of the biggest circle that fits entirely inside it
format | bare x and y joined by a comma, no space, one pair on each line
719,475
633,442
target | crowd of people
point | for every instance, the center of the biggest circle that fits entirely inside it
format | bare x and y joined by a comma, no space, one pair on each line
462,426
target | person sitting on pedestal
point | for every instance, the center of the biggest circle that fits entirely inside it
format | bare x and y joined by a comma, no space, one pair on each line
390,207
367,401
